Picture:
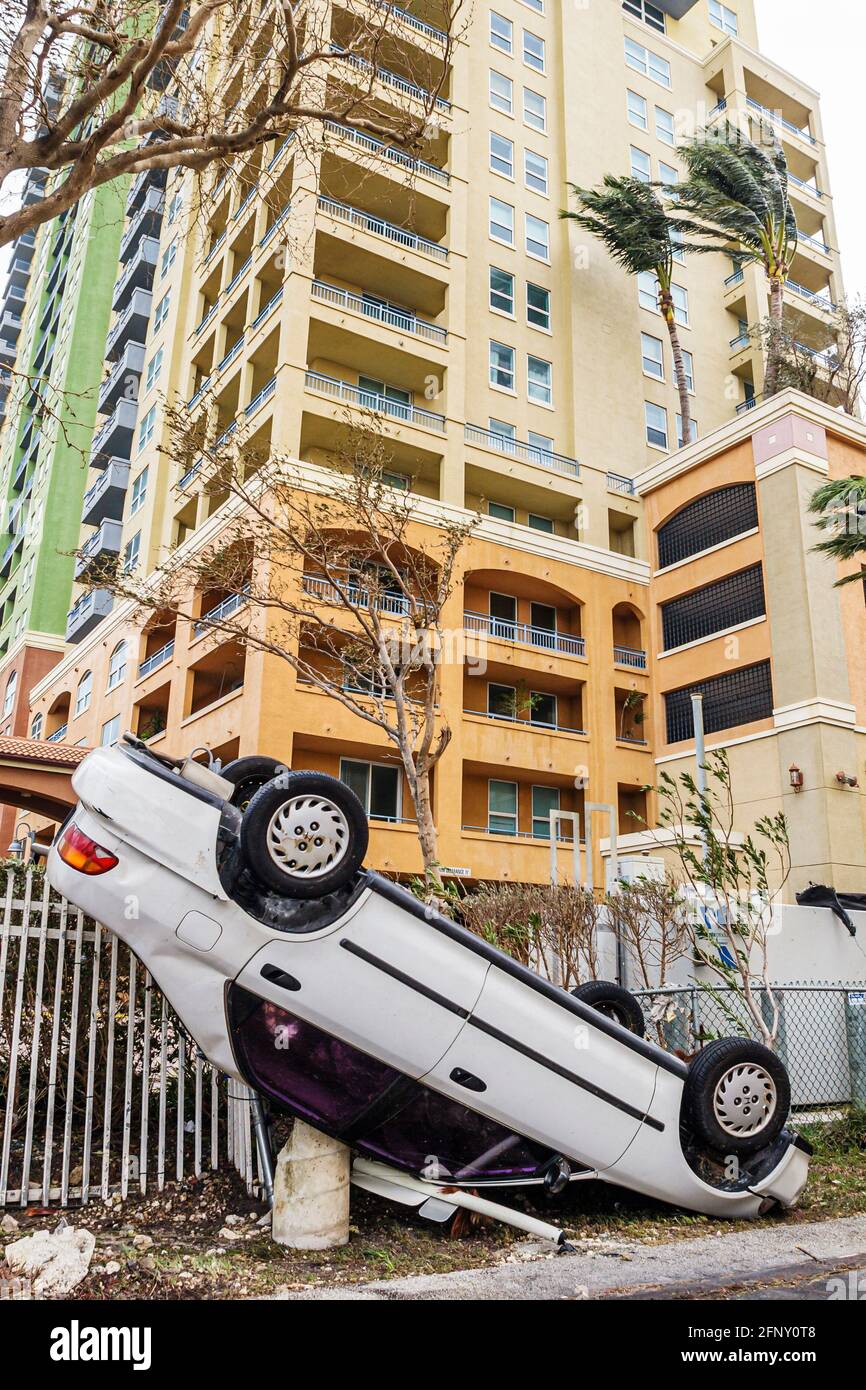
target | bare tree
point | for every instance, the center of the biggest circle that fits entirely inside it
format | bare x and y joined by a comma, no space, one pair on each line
332,573
96,90
835,373
551,927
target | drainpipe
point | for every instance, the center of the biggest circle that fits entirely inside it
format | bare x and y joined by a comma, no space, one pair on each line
700,754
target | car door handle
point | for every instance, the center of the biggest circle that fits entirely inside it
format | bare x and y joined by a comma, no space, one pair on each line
276,976
467,1079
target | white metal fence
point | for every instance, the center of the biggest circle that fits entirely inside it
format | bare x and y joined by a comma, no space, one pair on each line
101,1091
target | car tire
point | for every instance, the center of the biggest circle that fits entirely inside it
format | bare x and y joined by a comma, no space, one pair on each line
304,835
614,1002
248,775
737,1096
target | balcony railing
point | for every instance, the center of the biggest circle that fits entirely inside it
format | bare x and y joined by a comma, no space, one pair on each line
221,611
275,226
59,734
412,21
815,242
401,319
343,212
390,79
195,399
503,630
736,279
320,588
389,152
779,119
819,299
539,724
750,403
562,836
805,185
238,276
156,659
630,656
230,356
517,449
260,397
617,482
263,313
348,394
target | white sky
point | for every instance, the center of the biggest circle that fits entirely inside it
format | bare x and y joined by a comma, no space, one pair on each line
825,46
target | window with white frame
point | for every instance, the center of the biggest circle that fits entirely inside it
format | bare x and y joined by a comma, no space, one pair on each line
540,523
537,5
535,172
502,807
537,238
650,64
637,110
9,697
539,380
689,369
501,155
161,312
83,694
652,356
174,208
538,306
656,425
681,305
154,367
724,18
647,12
533,51
36,726
376,785
544,800
678,245
641,164
146,428
501,92
502,371
665,126
648,291
694,431
534,110
131,553
117,666
502,221
110,732
168,257
501,428
501,33
501,291
670,175
500,512
139,492
542,445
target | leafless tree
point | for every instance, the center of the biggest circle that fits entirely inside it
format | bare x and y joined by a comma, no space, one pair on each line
834,373
551,927
91,91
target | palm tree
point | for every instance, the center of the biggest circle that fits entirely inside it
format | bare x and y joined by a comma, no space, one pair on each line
736,201
840,508
630,218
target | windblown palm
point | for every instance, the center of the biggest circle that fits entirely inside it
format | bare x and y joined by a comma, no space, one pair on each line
735,199
630,218
840,509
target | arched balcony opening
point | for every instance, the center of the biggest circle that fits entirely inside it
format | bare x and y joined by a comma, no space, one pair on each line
629,648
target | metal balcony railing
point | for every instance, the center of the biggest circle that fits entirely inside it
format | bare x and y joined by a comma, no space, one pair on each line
749,403
59,734
805,185
539,724
736,279
318,587
390,79
392,317
378,226
815,242
629,656
275,226
263,313
238,276
345,392
617,482
156,659
820,299
389,152
412,22
222,610
525,634
230,356
779,119
517,449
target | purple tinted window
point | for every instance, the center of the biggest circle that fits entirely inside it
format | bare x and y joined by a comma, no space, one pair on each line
441,1139
314,1075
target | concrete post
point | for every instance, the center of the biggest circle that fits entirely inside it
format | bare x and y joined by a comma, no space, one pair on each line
311,1191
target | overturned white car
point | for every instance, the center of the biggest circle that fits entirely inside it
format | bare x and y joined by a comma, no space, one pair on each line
339,996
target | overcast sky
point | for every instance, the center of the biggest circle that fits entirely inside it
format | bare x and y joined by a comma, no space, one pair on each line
825,46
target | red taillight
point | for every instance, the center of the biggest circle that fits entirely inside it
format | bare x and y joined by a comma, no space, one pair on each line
80,852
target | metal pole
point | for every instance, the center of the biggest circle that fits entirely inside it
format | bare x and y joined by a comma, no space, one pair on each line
263,1144
700,755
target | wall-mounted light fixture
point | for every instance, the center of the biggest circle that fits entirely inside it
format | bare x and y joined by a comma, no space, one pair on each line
796,775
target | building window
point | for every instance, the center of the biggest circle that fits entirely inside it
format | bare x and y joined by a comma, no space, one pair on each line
501,366
146,428
652,356
400,481
540,380
641,165
501,93
110,732
533,51
730,602
139,492
502,807
538,306
161,313
648,291
649,13
534,110
168,256
9,697
83,694
117,666
540,523
501,291
535,174
689,368
642,60
670,176
501,33
154,367
501,155
174,208
723,18
677,245
541,445
737,698
681,305
537,5
637,110
36,726
502,222
501,701
544,800
537,238
501,428
665,126
376,785
694,430
500,512
656,425
131,552
708,521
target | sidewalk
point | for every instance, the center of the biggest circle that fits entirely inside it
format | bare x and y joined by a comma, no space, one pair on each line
614,1268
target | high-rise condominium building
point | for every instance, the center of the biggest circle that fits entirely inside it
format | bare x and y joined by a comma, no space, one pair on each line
520,375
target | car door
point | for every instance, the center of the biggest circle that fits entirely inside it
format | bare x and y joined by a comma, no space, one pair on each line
535,1066
381,979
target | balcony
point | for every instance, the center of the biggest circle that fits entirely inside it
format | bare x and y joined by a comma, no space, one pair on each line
631,657
514,720
389,315
146,222
59,734
377,226
126,370
347,394
777,118
750,403
316,586
819,299
815,243
523,453
114,439
617,482
86,613
138,274
411,21
805,186
503,630
266,309
156,659
7,352
221,611
260,397
390,153
104,542
392,80
132,324
104,500
141,184
10,325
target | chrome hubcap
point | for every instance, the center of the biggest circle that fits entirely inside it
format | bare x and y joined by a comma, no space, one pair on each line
308,836
745,1099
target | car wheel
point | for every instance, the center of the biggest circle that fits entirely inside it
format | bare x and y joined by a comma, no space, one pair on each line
304,835
614,1002
248,775
737,1095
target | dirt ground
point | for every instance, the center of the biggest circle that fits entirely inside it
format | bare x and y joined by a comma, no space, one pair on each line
202,1240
